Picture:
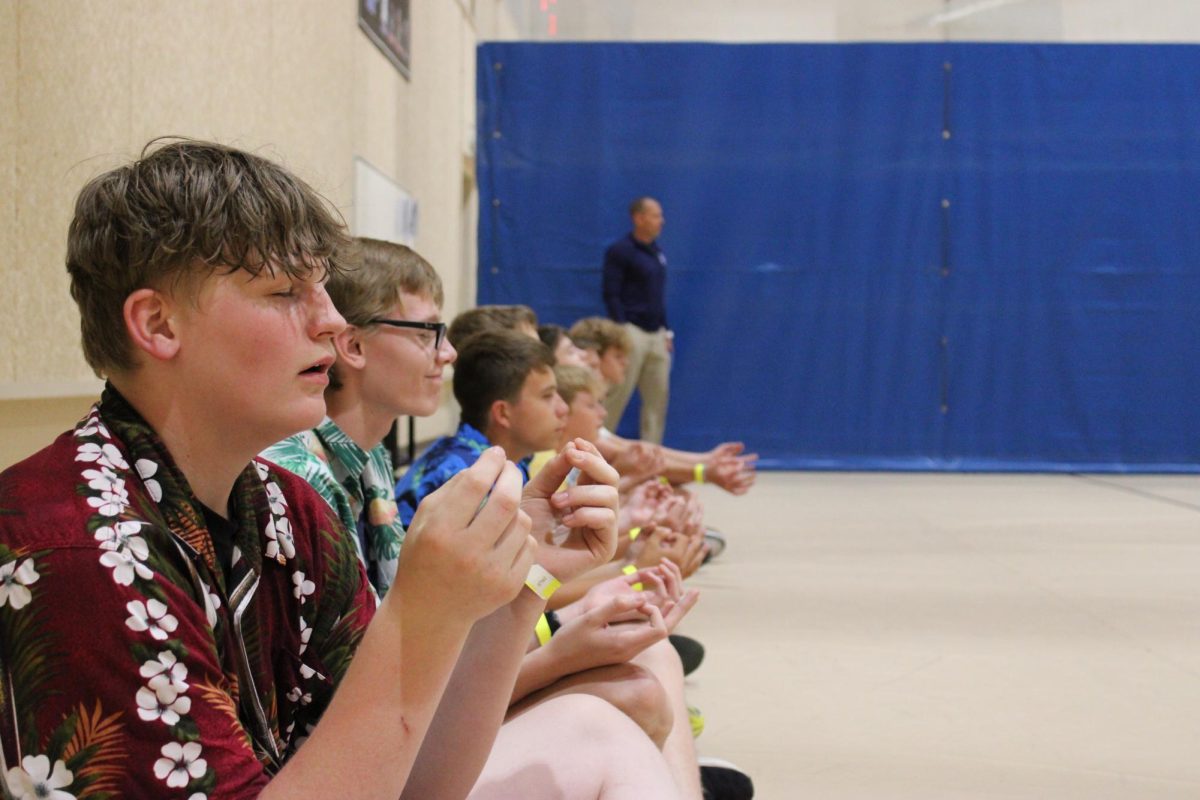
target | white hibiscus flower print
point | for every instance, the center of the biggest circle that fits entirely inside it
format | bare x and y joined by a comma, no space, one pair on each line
305,635
147,469
162,701
263,472
94,426
295,695
108,505
307,672
275,498
35,780
15,578
180,764
106,455
122,536
279,538
151,616
125,567
212,601
113,498
166,667
302,588
104,480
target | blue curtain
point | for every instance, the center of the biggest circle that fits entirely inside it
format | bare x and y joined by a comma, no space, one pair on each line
930,256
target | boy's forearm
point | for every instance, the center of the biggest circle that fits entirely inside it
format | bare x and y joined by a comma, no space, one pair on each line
680,464
476,699
370,735
578,587
538,670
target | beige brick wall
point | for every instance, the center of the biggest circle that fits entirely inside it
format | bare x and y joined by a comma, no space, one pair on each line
85,84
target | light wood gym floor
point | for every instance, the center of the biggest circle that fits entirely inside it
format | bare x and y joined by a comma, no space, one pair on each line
954,636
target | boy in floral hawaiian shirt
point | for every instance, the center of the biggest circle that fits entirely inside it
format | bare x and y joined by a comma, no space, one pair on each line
176,615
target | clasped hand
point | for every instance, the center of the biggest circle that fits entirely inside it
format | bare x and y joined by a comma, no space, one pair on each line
576,527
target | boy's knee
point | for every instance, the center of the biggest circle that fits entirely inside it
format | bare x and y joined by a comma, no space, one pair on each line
641,696
663,660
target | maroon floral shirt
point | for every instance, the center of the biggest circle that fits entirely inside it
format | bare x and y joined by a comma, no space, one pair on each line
131,665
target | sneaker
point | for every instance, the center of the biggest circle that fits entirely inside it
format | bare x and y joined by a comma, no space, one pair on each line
723,781
691,652
716,543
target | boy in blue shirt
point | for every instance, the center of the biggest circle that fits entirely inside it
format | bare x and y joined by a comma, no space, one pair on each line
504,382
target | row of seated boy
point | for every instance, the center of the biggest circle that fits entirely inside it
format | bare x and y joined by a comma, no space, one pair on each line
531,394
588,642
531,401
182,618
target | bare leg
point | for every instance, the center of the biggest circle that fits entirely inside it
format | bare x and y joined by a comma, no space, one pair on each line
632,689
574,747
680,747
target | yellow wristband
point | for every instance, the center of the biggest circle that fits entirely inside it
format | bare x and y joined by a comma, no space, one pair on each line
698,472
629,569
543,584
633,533
542,630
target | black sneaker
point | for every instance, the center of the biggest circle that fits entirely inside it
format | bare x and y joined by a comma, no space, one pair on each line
723,781
716,543
691,652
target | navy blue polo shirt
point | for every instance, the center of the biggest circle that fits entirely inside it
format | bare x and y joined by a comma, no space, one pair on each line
635,277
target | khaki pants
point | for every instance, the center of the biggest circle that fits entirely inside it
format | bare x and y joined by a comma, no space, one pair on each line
649,371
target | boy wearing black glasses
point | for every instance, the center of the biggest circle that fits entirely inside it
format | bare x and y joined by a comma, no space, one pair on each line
392,301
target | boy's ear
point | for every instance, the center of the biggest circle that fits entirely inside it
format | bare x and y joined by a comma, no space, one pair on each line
349,345
150,321
500,414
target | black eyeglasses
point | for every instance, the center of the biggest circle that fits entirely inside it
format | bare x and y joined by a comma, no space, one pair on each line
438,328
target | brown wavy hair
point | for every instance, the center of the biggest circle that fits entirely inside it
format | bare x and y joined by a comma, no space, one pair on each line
599,334
377,273
474,321
183,210
493,365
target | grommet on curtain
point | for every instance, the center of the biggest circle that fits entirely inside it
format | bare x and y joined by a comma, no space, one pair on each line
946,69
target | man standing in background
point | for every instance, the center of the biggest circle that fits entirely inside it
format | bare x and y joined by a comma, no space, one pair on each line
635,277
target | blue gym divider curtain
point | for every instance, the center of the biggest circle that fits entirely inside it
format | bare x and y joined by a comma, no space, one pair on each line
927,256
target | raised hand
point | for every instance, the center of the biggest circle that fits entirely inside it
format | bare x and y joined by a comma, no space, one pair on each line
673,512
634,514
639,462
576,528
662,587
610,633
686,552
726,467
468,548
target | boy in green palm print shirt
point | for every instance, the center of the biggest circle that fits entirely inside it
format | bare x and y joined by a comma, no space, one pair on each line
393,302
